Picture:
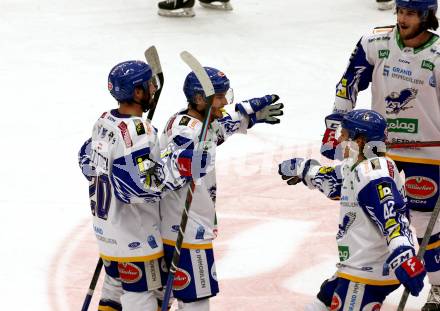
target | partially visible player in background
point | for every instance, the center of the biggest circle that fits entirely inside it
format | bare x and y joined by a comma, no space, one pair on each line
184,8
196,278
385,4
124,192
375,243
403,65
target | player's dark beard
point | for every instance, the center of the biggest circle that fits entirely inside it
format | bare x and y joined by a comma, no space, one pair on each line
420,29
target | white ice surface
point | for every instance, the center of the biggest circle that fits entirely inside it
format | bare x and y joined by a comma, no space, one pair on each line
55,57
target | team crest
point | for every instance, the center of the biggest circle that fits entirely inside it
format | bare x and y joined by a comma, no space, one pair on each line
397,102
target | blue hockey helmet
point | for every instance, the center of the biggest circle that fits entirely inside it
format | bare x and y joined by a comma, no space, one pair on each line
371,124
423,6
125,76
192,86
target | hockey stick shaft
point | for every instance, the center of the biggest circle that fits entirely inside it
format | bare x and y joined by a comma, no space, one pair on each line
422,249
92,286
414,144
209,93
153,60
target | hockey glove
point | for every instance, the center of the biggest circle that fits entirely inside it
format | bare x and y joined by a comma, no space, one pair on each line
294,170
408,268
329,141
261,110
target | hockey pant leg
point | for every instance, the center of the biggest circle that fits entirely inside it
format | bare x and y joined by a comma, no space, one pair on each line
354,296
139,282
111,288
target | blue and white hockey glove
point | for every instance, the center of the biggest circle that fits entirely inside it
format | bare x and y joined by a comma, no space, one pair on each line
261,110
329,141
408,268
294,170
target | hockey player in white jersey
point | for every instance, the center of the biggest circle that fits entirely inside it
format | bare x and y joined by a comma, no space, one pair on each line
196,279
403,65
124,191
184,8
375,244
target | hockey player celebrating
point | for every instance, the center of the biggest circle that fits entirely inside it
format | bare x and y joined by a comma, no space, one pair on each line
123,193
184,8
403,65
374,239
196,279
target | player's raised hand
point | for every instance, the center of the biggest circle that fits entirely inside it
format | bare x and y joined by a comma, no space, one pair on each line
291,170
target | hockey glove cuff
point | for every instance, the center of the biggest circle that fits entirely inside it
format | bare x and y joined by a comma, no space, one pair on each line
408,268
295,170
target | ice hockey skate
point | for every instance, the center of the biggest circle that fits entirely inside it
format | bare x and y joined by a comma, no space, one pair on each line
176,8
385,4
433,302
224,5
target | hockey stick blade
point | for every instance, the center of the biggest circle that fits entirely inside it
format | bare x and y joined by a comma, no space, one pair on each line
199,71
153,60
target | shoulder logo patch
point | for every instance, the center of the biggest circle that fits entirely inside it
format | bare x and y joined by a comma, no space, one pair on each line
184,121
140,129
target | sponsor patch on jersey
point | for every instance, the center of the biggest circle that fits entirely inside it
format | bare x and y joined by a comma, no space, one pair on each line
344,252
193,123
152,241
175,228
125,134
200,234
134,245
354,297
420,187
184,121
426,64
144,164
403,125
384,191
336,303
375,164
140,129
384,54
181,280
129,273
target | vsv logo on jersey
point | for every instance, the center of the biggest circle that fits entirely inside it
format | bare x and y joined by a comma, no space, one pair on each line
396,102
403,125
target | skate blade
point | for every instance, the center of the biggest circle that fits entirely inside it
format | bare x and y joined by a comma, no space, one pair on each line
383,6
222,6
186,12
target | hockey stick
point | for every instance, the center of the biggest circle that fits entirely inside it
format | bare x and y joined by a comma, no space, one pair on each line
153,60
208,88
92,285
422,249
414,144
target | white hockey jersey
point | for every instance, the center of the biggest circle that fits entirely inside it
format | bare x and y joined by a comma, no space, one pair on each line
123,199
373,217
404,90
181,134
